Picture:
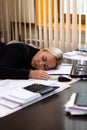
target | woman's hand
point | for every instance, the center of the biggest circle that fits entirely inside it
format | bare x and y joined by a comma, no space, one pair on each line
38,74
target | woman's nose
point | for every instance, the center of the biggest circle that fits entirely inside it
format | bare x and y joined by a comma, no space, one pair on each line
41,64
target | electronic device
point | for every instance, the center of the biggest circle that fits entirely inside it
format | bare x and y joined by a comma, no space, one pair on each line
40,88
81,99
79,69
64,78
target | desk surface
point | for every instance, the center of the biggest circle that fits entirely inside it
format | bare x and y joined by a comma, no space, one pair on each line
47,114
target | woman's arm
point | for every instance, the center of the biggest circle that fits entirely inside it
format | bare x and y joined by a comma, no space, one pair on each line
13,73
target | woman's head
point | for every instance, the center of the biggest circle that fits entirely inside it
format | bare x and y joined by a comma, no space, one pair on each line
57,53
47,58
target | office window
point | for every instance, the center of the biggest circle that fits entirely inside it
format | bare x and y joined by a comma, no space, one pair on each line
81,6
81,9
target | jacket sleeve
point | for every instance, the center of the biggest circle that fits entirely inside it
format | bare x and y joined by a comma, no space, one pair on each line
13,73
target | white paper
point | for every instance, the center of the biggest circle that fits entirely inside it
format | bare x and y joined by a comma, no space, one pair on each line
24,94
4,110
8,103
63,69
21,96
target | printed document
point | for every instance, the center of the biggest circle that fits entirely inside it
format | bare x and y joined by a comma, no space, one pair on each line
14,97
63,69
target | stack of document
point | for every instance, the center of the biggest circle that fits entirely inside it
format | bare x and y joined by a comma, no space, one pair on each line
77,105
75,55
14,96
18,97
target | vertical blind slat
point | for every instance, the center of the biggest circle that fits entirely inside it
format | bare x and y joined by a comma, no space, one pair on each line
79,44
56,23
7,21
12,21
86,27
30,22
62,46
68,34
15,15
36,32
86,33
19,12
24,19
50,22
1,22
45,24
74,26
40,28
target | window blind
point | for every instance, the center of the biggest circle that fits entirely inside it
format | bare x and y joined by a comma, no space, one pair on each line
44,23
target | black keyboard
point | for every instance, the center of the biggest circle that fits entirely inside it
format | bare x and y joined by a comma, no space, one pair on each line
40,88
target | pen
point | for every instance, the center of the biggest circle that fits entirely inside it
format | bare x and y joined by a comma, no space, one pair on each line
83,50
56,78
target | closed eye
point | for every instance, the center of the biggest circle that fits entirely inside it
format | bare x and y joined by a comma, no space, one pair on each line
44,58
46,67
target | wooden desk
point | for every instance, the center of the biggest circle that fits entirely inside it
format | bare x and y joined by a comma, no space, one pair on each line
48,114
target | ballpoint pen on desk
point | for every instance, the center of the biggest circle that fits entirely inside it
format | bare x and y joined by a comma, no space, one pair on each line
52,78
82,52
61,78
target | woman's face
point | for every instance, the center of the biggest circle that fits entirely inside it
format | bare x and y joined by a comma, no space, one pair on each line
43,60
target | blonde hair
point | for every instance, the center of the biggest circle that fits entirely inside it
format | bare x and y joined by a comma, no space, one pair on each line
57,53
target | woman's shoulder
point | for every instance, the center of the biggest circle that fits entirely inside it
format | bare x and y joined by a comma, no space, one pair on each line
21,44
22,47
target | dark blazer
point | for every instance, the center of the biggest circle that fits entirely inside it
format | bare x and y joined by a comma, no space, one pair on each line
15,60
